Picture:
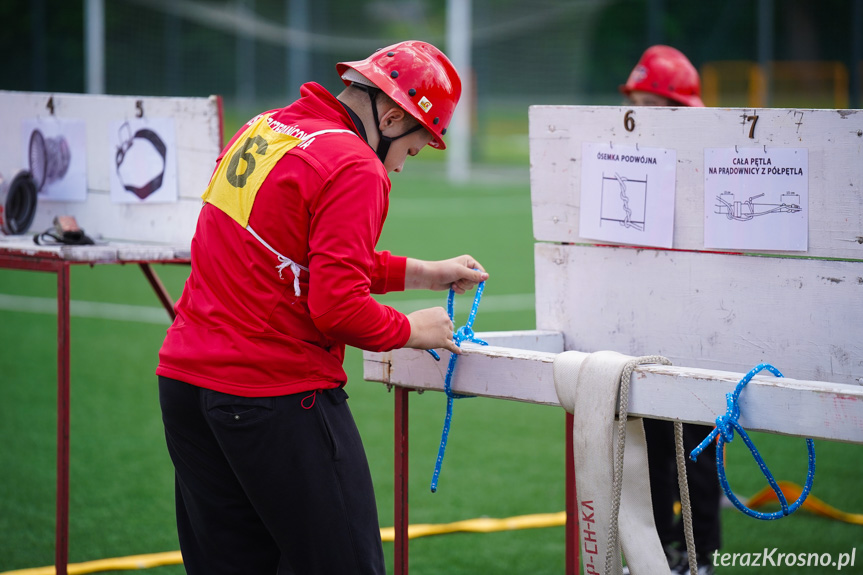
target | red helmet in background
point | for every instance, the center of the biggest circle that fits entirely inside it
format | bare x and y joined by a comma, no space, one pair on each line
418,77
665,71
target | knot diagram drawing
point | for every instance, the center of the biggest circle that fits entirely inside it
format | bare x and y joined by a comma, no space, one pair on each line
789,203
624,201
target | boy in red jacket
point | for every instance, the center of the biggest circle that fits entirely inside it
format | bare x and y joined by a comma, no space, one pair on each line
271,476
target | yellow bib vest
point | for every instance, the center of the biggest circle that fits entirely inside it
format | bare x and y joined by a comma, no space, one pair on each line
242,171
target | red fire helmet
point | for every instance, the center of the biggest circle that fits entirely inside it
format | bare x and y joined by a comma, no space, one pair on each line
418,77
665,71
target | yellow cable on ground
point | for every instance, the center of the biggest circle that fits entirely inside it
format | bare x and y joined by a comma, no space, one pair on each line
812,504
481,525
117,564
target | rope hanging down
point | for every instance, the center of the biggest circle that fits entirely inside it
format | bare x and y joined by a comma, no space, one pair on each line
464,333
724,433
617,480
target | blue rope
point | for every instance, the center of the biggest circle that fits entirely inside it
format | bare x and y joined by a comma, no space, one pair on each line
724,433
464,333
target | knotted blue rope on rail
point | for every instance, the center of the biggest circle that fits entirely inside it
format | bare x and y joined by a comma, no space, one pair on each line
464,333
724,433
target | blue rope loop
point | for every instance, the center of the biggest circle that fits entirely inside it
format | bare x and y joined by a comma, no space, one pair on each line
462,334
724,433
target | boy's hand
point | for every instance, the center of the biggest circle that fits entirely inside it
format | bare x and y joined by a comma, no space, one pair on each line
431,329
460,273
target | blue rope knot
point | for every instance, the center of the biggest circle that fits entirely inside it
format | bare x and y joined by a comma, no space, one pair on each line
464,333
724,433
725,424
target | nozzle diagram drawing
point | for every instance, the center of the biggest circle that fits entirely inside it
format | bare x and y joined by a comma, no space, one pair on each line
789,203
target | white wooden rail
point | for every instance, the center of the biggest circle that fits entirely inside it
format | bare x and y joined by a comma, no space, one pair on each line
779,405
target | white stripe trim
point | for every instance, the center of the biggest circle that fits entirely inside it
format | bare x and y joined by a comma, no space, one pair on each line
331,131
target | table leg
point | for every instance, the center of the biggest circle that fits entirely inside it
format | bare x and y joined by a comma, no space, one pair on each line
401,481
159,288
61,556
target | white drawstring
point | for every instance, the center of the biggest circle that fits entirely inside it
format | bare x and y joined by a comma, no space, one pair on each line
284,262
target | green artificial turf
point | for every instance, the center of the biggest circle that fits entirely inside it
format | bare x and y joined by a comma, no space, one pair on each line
503,458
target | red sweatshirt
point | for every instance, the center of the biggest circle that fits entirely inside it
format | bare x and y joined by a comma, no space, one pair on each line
240,328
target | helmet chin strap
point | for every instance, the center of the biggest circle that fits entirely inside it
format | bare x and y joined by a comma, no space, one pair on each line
384,142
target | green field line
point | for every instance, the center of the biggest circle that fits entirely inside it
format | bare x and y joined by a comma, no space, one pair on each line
157,315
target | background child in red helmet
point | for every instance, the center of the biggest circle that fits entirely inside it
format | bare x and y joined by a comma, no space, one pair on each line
665,77
271,475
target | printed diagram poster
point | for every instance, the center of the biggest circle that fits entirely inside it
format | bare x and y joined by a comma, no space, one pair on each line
627,194
143,161
55,152
756,198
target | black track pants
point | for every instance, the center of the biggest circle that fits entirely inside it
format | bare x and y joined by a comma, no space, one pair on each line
274,485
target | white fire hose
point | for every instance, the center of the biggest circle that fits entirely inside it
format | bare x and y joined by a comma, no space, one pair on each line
614,512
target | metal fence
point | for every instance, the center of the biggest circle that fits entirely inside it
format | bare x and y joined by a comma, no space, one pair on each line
256,53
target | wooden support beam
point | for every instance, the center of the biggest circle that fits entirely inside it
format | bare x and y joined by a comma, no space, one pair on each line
786,406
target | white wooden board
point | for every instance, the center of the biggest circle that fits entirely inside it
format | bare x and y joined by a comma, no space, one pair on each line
833,138
715,315
197,123
713,311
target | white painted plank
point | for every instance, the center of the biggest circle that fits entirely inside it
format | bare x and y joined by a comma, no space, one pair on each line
406,366
712,311
485,371
834,139
197,124
779,405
